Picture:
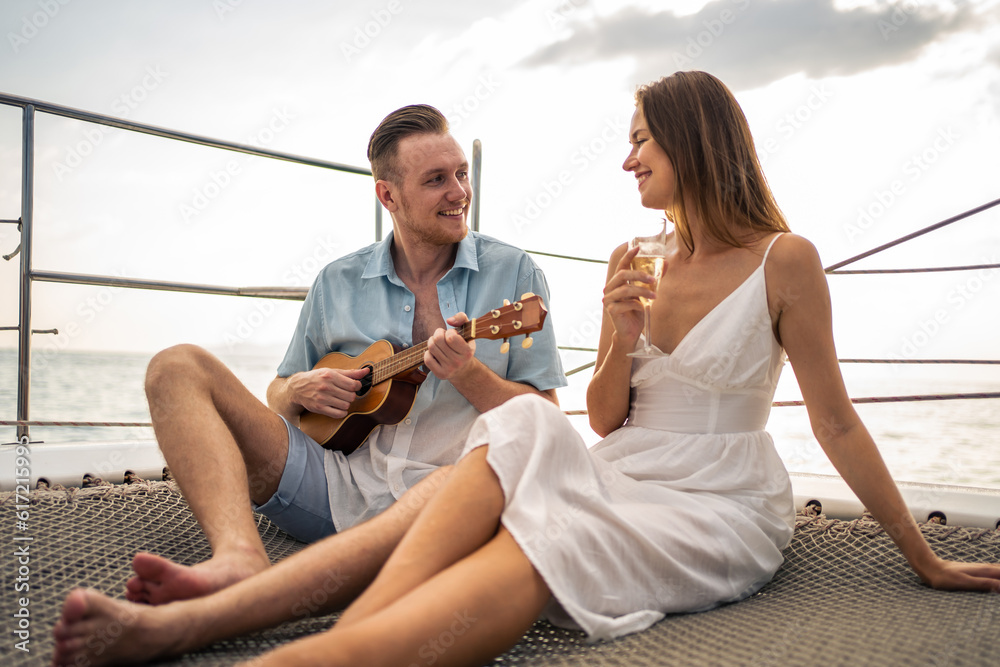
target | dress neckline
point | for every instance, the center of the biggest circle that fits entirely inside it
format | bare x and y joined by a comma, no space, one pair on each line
738,288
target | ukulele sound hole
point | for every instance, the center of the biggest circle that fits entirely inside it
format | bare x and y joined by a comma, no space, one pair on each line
366,381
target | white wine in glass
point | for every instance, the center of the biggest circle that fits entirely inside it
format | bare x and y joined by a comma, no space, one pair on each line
650,260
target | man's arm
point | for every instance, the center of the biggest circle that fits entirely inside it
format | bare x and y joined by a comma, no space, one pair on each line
450,357
325,391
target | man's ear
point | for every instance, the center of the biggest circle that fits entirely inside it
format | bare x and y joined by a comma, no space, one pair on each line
386,193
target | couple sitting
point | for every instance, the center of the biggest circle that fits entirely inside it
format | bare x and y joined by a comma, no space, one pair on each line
683,506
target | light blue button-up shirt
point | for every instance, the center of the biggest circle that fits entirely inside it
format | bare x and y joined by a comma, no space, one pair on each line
359,299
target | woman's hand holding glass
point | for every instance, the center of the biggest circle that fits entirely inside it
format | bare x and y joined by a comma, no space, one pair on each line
629,294
650,259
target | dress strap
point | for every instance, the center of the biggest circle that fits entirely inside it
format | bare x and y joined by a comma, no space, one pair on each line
769,245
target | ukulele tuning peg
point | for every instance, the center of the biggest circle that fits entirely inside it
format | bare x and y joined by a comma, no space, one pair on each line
494,329
527,295
504,347
506,302
527,342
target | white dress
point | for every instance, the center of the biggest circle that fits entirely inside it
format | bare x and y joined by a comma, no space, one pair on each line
685,507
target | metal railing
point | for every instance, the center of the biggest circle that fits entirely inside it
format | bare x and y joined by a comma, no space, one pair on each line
835,269
28,275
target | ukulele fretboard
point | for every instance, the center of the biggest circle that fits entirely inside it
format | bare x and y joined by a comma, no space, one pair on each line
411,357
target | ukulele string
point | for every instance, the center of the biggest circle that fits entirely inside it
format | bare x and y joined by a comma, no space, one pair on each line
409,358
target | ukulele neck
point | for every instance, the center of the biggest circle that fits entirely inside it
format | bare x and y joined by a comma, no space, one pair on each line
412,357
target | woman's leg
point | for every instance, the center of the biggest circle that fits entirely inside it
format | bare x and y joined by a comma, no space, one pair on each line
320,579
465,615
463,516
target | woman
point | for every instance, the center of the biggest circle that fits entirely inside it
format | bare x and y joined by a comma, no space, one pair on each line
683,506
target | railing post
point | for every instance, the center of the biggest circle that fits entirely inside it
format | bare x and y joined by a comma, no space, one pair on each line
477,173
24,316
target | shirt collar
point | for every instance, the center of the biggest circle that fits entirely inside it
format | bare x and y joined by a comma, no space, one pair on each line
466,257
380,263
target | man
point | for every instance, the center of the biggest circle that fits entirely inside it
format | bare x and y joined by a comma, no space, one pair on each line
226,449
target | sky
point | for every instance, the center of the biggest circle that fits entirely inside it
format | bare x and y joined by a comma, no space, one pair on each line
871,119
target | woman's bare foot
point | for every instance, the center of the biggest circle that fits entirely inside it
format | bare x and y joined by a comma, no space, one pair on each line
97,630
158,580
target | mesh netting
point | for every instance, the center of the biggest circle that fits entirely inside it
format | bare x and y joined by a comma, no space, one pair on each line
845,595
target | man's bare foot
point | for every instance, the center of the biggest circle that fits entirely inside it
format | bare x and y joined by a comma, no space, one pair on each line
97,630
158,580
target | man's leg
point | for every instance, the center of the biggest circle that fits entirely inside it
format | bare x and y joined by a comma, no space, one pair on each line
322,578
465,615
456,591
224,448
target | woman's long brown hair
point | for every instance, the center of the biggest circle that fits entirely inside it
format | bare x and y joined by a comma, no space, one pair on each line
699,124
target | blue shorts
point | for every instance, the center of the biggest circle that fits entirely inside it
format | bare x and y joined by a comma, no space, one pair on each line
301,505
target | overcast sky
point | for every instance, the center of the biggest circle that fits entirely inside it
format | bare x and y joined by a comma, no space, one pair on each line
872,119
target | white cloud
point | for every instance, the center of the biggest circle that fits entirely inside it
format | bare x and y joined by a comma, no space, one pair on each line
752,44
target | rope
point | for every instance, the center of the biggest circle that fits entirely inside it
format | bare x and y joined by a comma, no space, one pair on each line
920,232
970,267
579,259
902,399
865,399
22,422
580,368
848,361
919,361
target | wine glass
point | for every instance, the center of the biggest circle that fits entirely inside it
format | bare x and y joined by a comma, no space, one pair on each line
650,259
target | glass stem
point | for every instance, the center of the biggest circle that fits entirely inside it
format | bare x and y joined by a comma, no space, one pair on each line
645,311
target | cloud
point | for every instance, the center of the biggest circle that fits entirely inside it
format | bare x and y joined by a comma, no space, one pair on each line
750,44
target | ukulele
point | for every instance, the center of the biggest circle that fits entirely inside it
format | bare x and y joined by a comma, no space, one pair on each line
388,391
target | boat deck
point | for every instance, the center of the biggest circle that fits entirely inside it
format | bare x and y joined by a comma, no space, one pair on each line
845,595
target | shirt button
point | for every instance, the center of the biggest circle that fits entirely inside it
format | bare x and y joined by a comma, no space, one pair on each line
395,487
406,308
407,421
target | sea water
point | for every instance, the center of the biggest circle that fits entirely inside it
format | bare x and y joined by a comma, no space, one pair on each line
945,442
